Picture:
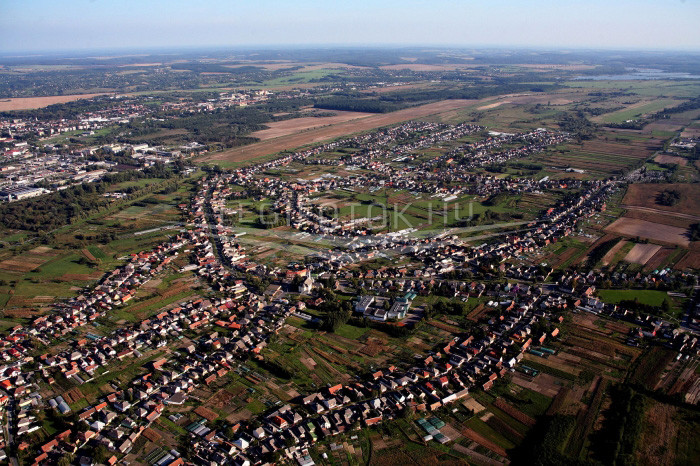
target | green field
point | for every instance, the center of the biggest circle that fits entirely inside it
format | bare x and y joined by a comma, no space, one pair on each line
635,112
649,297
299,77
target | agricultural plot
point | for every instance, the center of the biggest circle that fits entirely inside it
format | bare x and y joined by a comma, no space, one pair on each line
673,159
636,110
296,125
691,260
317,135
664,234
25,103
646,198
30,260
600,157
642,253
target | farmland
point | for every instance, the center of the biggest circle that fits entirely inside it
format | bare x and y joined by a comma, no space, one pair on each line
312,136
636,110
646,197
490,275
296,125
654,231
601,157
24,103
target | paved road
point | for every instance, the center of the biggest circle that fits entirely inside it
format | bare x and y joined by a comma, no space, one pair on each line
8,432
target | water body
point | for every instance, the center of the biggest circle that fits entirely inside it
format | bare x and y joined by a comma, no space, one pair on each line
644,74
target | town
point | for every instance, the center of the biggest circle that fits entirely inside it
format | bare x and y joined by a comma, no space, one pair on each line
250,234
527,310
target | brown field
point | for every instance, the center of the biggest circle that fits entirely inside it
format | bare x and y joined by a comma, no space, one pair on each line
488,444
690,133
644,196
221,399
208,414
557,362
608,257
559,259
80,277
659,216
29,301
88,255
386,89
663,158
649,230
601,156
172,291
641,253
20,313
691,260
73,395
659,258
317,135
513,412
295,125
659,432
595,244
26,103
676,122
543,383
425,67
493,105
151,435
16,265
475,314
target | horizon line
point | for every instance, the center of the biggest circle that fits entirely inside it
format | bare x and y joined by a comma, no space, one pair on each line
26,53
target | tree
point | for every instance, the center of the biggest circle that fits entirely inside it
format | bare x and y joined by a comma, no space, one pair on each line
99,454
666,305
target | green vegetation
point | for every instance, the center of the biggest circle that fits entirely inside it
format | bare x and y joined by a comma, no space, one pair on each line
60,208
647,297
668,197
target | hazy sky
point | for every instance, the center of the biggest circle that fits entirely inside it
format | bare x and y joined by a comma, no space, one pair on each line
88,24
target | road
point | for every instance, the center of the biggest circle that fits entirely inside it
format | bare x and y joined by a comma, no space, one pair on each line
9,421
651,210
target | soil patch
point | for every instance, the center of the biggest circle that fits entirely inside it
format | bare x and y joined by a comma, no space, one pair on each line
295,125
663,158
26,103
641,253
649,230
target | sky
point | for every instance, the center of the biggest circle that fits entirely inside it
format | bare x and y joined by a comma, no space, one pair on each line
56,25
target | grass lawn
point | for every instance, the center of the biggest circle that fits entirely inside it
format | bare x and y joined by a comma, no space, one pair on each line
481,428
255,407
351,332
649,297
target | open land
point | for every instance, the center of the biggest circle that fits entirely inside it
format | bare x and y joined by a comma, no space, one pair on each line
654,231
318,135
295,125
25,103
